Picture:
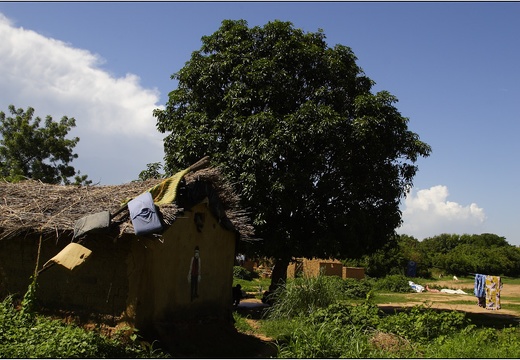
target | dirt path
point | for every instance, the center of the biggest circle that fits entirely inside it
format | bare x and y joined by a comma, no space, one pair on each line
510,295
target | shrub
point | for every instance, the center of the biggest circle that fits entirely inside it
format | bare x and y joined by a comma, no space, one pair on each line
421,323
364,316
304,295
240,272
393,283
473,342
325,340
355,289
35,336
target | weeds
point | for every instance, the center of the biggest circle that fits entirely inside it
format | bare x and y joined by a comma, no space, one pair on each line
25,334
311,319
421,323
393,283
304,295
241,324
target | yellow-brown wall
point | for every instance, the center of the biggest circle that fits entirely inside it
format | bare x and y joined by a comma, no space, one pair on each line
354,273
143,280
312,268
162,291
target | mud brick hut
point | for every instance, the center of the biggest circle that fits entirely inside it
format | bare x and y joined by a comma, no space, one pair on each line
143,279
327,267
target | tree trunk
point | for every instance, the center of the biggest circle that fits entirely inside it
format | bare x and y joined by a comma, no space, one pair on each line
279,273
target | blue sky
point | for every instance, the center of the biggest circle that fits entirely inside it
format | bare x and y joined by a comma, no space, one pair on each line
453,66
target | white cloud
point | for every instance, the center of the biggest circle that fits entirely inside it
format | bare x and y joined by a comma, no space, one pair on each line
113,115
428,213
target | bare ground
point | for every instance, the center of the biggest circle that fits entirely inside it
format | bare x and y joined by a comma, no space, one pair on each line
510,294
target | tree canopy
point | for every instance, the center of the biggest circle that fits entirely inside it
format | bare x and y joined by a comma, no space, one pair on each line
321,163
454,254
28,150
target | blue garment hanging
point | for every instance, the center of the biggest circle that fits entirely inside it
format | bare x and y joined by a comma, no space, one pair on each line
144,215
480,285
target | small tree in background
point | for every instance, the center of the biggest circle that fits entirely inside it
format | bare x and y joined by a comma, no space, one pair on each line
151,172
40,153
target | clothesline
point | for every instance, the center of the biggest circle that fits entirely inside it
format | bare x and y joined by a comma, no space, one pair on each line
487,290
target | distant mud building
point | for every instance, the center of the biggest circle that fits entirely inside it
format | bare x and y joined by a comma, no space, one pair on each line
328,267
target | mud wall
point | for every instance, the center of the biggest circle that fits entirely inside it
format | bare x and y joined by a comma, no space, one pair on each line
163,293
100,285
140,280
312,268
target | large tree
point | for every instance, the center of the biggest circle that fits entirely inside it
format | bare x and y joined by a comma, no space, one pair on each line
321,162
28,150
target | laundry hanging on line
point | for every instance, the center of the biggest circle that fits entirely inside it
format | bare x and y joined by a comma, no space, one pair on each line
487,290
144,215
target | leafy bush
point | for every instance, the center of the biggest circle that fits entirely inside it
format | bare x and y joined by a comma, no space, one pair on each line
364,316
356,289
393,283
240,272
313,318
338,331
474,342
23,336
422,323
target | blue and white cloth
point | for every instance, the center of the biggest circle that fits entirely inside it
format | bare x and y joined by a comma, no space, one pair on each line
480,285
416,287
144,215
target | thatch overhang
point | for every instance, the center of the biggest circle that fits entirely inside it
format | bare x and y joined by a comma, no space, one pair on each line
33,207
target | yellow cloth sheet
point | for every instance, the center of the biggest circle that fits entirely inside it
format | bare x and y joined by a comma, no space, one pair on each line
493,287
166,191
71,256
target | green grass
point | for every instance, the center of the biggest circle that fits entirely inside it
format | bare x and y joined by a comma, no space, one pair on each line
511,306
25,334
241,324
509,280
258,285
385,297
314,321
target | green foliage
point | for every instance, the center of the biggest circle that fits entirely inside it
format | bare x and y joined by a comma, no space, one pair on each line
81,179
320,161
240,272
257,284
325,340
28,335
422,323
365,316
484,343
304,295
30,151
241,324
393,283
356,289
343,330
387,260
443,254
393,258
29,300
152,172
464,254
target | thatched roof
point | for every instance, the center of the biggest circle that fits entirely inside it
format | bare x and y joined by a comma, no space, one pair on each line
34,207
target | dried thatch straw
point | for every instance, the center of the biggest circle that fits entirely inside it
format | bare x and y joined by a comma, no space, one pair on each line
35,207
